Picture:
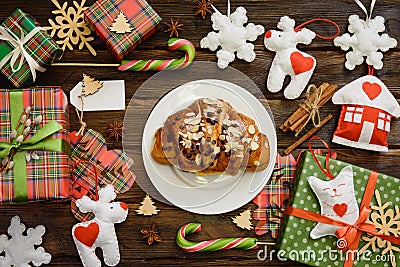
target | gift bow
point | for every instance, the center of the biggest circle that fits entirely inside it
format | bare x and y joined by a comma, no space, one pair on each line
349,232
36,142
19,50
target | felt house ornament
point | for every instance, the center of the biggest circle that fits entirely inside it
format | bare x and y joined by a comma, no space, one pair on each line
367,109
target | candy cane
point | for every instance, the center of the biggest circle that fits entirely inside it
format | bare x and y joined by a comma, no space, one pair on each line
244,243
168,64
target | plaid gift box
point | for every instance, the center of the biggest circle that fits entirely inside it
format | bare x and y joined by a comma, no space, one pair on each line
47,177
39,49
141,16
295,242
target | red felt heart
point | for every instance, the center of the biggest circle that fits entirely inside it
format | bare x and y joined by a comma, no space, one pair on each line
87,235
372,90
340,209
301,63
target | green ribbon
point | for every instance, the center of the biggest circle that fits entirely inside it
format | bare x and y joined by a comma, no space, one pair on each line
35,142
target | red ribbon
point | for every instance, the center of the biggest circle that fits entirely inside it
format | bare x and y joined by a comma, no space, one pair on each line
351,233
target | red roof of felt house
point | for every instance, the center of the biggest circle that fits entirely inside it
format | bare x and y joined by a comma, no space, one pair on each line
365,91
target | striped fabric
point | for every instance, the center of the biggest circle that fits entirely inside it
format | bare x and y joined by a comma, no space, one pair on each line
48,178
142,17
41,47
113,167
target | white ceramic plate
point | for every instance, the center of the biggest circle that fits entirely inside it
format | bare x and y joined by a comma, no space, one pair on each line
211,194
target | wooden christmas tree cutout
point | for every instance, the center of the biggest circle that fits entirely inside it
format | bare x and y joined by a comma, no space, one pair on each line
90,85
120,24
243,220
147,208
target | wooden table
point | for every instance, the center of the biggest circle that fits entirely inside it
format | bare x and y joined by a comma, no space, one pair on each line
330,68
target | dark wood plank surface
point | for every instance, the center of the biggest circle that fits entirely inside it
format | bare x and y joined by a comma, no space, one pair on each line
330,68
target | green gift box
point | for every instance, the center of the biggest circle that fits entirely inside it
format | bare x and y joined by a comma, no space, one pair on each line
25,48
295,243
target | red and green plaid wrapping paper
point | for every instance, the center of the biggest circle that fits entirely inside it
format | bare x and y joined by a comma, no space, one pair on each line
141,16
41,47
48,177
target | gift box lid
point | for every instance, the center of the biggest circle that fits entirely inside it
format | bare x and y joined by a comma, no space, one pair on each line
40,47
295,242
142,18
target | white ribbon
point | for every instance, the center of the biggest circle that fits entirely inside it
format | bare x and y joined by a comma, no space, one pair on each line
19,50
360,4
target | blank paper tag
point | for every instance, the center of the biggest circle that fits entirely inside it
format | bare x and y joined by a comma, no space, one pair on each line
110,97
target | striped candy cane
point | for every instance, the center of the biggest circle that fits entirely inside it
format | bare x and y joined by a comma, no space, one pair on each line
244,243
168,64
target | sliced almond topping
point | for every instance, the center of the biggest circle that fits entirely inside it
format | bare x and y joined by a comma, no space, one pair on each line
189,135
217,150
188,143
252,129
222,137
256,138
190,114
200,135
254,146
240,147
195,128
209,129
256,163
198,159
203,141
234,131
240,155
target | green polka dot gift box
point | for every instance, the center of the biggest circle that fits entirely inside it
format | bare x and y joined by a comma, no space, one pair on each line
339,197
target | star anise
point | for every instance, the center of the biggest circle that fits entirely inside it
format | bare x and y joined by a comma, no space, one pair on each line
203,7
174,27
114,130
151,234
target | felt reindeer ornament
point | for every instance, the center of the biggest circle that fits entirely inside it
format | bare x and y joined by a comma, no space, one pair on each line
100,231
288,59
367,104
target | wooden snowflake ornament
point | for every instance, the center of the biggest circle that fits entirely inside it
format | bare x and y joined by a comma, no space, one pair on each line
121,24
147,208
70,26
243,220
90,85
21,249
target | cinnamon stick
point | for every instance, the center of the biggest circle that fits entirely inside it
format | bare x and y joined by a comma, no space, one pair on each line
297,120
307,135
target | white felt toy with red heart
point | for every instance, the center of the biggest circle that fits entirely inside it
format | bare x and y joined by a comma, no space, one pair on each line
100,231
367,110
337,201
288,59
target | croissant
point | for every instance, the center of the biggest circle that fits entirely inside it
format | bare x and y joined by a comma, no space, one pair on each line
211,137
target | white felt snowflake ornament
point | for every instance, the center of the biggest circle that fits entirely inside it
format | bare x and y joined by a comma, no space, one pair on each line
20,249
365,40
232,36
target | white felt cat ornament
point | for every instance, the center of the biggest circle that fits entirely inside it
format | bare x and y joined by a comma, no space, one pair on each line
337,200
